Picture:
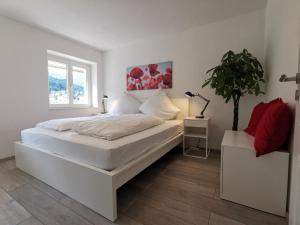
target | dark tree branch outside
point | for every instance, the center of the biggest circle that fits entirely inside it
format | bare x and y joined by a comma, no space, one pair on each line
237,75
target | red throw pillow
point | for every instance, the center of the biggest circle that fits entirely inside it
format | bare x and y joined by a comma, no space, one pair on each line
256,115
273,129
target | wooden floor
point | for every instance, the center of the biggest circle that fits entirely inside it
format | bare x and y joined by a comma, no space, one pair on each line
176,190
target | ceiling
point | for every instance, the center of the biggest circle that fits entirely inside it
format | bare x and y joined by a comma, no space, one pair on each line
107,24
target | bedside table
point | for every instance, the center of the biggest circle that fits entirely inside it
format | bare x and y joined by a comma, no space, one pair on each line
197,129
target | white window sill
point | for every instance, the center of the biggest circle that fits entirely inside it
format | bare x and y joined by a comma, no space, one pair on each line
70,107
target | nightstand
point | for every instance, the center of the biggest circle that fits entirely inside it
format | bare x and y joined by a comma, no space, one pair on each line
196,129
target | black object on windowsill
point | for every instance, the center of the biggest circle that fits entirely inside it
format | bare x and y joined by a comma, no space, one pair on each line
191,95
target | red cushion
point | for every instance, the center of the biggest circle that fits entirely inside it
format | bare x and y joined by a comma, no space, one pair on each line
273,128
256,115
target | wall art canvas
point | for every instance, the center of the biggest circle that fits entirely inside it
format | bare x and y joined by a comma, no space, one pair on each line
152,76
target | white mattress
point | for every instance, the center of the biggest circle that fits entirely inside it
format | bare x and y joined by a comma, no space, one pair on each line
97,152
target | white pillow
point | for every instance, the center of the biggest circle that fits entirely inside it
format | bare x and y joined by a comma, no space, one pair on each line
126,104
160,105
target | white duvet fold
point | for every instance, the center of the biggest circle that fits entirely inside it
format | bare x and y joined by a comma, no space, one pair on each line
66,123
114,127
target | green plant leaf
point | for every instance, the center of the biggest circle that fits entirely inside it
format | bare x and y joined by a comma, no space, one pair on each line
238,74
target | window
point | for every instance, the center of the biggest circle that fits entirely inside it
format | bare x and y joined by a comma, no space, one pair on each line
68,82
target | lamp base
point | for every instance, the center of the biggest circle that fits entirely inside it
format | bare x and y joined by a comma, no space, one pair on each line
199,117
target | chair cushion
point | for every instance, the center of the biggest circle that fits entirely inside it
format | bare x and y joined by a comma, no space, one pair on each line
273,128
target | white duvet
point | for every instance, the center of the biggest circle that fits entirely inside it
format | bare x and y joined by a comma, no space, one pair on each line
65,124
114,127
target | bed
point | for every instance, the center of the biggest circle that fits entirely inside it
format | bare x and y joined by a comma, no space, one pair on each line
90,170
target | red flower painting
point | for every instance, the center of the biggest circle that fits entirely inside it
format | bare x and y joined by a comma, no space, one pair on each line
152,76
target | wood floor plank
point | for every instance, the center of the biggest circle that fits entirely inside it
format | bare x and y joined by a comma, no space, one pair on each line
178,209
4,197
211,161
30,221
11,212
94,217
221,220
200,166
144,179
2,170
47,189
22,175
8,165
204,189
246,215
127,195
173,207
185,192
234,211
180,194
193,175
217,193
45,208
152,216
11,179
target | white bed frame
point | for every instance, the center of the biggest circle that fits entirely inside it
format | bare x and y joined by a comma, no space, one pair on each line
91,186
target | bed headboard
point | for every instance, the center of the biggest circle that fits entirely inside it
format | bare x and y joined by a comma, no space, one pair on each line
183,105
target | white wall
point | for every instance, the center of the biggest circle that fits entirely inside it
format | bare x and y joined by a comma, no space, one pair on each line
24,80
193,52
282,56
282,47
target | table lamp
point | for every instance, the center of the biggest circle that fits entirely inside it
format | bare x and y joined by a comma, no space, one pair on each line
191,95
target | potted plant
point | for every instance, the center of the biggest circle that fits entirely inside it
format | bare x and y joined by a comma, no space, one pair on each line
237,75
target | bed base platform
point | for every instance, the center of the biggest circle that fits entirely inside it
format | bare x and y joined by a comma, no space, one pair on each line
89,185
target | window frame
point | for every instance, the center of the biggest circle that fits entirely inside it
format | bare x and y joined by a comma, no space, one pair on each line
70,63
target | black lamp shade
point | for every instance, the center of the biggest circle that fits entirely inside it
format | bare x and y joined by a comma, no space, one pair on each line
189,94
105,97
